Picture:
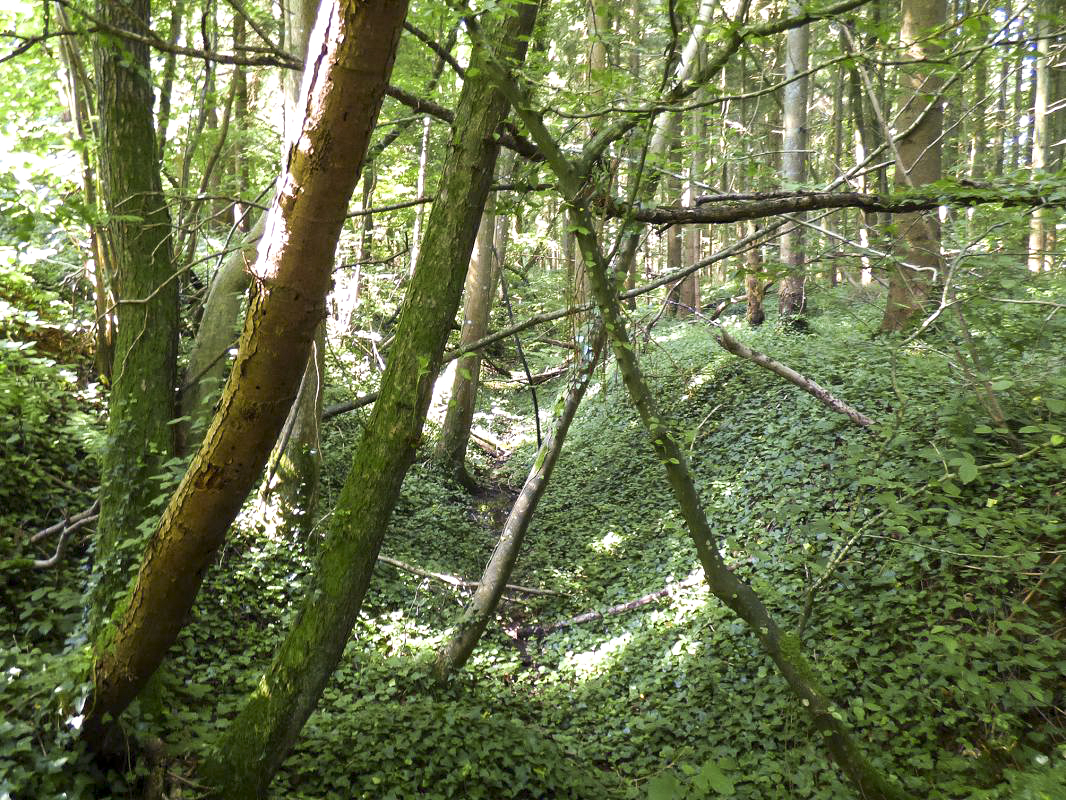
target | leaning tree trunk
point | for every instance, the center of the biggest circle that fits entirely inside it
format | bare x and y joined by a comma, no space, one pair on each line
289,493
353,55
792,297
783,648
913,276
261,737
482,606
141,404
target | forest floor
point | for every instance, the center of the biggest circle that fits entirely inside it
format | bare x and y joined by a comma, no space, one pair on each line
940,632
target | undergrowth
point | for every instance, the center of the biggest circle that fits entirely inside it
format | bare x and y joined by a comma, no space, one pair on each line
939,633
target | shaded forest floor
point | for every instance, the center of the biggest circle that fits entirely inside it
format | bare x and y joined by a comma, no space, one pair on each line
940,633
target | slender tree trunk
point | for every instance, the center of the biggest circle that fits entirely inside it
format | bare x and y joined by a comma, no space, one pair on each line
1038,256
477,305
784,649
911,279
220,327
792,298
420,189
79,101
482,605
689,296
259,739
351,63
754,286
287,498
288,495
141,404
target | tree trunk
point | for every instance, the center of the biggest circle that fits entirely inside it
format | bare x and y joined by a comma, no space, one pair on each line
288,495
350,67
784,649
792,297
291,488
1038,259
420,189
477,305
482,605
259,739
913,276
220,327
754,286
141,404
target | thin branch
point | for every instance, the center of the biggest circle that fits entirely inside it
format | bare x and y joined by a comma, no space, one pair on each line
460,583
819,393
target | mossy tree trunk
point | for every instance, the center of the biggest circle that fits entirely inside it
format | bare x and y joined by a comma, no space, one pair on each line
352,60
783,648
256,743
915,274
141,402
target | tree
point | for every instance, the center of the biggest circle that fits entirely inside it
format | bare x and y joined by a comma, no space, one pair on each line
481,281
291,277
917,155
141,403
792,298
259,739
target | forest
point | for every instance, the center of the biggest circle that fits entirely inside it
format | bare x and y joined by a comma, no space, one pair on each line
652,399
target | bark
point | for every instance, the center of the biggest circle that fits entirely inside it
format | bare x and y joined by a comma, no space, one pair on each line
291,488
912,278
79,101
791,296
352,59
420,188
482,606
141,403
289,494
754,285
259,739
477,305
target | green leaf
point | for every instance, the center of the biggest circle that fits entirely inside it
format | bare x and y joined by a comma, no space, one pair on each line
967,472
664,787
711,777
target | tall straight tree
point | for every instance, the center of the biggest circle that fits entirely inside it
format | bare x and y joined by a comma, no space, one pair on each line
352,59
914,274
792,297
261,737
477,303
1038,249
141,402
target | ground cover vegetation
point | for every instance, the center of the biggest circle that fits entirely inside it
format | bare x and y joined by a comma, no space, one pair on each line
532,399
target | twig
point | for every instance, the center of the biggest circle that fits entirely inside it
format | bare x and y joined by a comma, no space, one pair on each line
71,523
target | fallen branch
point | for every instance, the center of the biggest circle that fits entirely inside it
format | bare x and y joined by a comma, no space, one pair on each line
591,616
459,583
816,391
